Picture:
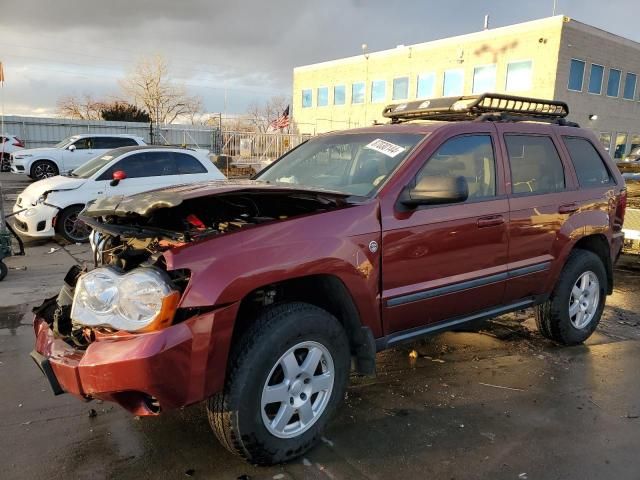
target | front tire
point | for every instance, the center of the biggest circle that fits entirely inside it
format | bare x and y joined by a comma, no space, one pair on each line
70,228
285,379
44,169
575,306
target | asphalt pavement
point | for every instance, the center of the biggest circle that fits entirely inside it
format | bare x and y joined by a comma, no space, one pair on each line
498,403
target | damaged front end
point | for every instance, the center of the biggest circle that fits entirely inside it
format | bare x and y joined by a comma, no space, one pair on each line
118,332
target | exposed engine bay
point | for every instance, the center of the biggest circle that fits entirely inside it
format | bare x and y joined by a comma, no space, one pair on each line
159,222
128,239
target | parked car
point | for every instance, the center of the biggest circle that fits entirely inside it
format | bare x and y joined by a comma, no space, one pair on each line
8,144
259,295
631,227
51,206
70,153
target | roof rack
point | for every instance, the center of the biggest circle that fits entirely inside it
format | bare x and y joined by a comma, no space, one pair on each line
486,107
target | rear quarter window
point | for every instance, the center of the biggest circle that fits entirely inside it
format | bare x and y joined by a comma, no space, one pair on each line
590,168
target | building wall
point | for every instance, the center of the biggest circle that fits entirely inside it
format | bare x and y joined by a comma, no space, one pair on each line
615,115
537,41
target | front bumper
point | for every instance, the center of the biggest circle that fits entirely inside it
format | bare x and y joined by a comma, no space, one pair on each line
180,365
18,166
39,225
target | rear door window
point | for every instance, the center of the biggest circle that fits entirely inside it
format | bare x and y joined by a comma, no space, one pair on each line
536,167
108,143
590,168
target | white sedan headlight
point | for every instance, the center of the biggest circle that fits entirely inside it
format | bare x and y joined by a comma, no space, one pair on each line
139,301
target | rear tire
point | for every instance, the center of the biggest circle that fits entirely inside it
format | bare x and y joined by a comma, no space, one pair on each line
43,169
272,409
67,225
3,270
573,311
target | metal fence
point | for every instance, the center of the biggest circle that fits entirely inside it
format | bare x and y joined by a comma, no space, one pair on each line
243,147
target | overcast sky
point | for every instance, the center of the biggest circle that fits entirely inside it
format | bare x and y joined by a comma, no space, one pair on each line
52,48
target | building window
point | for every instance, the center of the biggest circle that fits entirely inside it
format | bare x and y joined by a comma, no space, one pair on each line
605,140
484,79
635,142
378,91
453,85
426,87
307,98
613,84
357,92
323,96
576,75
595,79
401,88
519,76
621,146
630,86
338,95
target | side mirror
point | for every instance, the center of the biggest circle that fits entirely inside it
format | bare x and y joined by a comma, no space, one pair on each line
117,176
435,191
72,148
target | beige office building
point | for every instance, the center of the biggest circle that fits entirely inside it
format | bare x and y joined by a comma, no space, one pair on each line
594,71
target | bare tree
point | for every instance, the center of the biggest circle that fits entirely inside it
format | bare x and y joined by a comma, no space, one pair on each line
149,86
260,116
84,107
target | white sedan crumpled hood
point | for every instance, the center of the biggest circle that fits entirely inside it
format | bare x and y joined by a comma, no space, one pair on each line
30,195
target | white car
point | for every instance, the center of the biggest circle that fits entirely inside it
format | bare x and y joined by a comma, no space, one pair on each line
70,153
51,206
8,144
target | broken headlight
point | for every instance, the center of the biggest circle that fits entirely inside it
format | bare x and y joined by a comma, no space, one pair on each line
139,301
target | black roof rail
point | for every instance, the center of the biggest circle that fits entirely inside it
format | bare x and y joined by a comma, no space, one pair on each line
486,107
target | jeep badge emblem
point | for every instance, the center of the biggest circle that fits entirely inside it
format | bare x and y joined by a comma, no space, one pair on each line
373,246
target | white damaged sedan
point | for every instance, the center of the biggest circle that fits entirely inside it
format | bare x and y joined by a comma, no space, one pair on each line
51,206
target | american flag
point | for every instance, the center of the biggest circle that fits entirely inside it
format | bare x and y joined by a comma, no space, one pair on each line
282,121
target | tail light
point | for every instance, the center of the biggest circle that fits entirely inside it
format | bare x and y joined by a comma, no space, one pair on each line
18,143
621,208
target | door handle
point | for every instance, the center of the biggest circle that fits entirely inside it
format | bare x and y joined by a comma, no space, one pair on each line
568,208
490,221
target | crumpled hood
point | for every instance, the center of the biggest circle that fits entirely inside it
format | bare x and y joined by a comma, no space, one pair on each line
30,195
145,203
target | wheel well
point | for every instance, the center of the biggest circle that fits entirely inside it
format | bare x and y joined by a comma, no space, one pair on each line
599,245
324,291
42,160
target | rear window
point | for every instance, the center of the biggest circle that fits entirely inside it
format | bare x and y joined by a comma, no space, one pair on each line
589,166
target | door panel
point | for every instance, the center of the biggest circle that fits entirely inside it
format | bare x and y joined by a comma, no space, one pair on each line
542,192
445,261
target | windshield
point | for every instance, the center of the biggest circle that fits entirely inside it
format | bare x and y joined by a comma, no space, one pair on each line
65,142
88,169
353,163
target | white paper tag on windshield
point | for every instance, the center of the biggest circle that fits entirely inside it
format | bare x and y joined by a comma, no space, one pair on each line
387,148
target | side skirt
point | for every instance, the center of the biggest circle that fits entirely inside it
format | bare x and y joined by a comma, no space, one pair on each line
412,334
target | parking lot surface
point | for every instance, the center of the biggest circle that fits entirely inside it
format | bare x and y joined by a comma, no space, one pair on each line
500,402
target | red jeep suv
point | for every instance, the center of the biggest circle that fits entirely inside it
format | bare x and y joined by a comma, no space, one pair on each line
261,295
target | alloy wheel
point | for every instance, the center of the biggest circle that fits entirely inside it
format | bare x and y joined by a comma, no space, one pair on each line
44,170
584,300
297,390
76,229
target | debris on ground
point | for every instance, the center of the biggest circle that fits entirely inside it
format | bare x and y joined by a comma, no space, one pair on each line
52,250
92,413
190,472
502,387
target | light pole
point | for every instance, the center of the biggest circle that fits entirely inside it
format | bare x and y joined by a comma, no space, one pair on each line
365,54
